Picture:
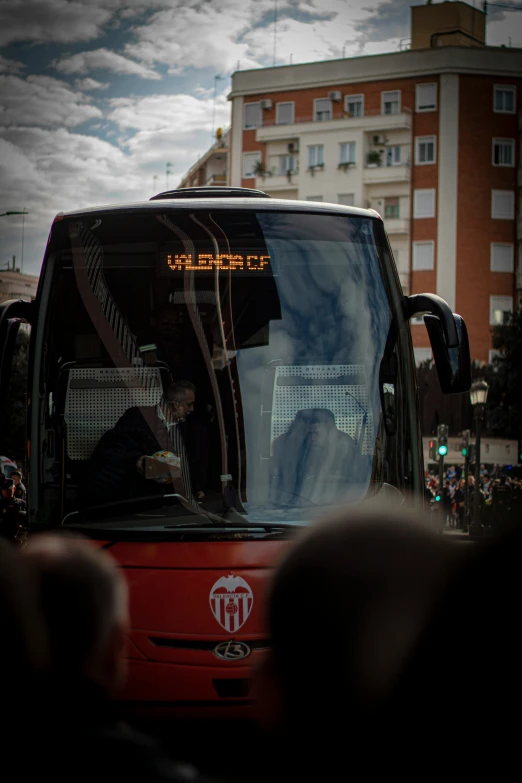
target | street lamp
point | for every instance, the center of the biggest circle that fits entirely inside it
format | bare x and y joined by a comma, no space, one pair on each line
478,395
23,213
217,79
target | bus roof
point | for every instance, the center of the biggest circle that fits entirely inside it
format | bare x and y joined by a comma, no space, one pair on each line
251,204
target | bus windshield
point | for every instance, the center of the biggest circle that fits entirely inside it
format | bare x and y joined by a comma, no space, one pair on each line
217,359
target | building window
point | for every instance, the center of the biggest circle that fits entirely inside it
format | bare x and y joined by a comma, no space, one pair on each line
393,155
322,109
503,152
426,97
391,102
504,98
285,113
501,257
250,159
347,152
391,208
253,115
423,256
316,155
314,198
354,105
286,164
503,204
425,150
424,203
500,308
348,199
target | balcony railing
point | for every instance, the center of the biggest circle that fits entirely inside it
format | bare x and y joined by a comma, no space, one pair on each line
217,179
343,116
394,173
396,225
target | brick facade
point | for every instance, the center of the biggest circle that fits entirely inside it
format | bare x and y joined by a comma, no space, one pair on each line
478,124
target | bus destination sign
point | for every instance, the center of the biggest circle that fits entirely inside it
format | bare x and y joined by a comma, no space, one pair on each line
243,262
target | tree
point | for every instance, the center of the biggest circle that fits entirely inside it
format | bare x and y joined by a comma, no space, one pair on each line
12,429
504,375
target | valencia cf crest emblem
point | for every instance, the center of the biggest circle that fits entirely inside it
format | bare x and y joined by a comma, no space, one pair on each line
231,601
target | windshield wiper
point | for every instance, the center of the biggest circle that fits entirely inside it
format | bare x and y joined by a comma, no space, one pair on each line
157,501
232,518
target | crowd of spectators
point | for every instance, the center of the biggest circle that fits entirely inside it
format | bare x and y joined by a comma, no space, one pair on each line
376,646
500,495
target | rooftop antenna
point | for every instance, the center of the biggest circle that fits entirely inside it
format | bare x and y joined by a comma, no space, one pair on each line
275,32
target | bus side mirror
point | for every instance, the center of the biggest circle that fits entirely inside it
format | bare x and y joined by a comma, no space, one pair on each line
449,340
12,313
453,363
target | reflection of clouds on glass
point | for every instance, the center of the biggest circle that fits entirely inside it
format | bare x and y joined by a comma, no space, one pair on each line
335,313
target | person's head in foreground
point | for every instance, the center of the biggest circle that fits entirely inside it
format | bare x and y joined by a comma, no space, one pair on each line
84,602
346,608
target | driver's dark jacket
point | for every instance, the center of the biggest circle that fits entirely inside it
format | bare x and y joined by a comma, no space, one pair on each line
112,473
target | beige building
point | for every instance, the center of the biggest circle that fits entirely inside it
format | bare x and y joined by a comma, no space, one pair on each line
429,137
212,167
14,285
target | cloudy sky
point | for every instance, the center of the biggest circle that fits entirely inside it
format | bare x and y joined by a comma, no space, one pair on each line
98,96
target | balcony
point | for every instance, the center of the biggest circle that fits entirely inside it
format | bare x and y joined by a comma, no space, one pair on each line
277,182
217,179
397,225
371,122
382,174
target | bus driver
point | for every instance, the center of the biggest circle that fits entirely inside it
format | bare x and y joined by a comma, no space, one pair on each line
119,461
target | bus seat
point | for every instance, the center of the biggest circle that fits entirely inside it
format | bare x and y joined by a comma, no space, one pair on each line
340,388
96,397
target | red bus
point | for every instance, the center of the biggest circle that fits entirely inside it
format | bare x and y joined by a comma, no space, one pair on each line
210,371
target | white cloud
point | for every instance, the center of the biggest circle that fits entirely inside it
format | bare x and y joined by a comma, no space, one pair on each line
10,66
85,85
219,35
167,112
84,62
43,21
51,170
44,101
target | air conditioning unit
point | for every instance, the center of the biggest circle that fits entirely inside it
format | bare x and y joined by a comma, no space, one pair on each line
266,104
293,146
335,95
378,140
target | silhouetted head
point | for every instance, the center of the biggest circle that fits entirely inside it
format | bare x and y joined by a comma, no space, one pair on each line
84,601
346,607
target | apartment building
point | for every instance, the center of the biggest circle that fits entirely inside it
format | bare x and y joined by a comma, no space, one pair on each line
212,167
429,137
14,285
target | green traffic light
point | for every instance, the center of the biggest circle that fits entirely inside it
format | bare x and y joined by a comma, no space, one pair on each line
442,450
464,452
437,498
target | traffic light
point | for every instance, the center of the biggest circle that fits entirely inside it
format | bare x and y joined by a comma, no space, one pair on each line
438,497
433,450
472,452
442,440
464,449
